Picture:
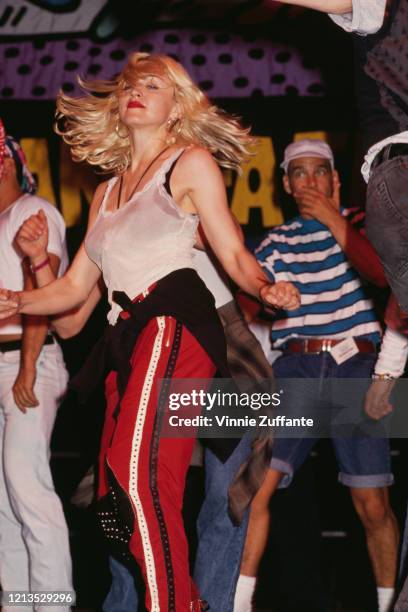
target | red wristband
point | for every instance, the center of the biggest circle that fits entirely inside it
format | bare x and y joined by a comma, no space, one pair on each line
40,265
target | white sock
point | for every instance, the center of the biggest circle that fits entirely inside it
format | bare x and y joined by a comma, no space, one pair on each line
244,593
385,598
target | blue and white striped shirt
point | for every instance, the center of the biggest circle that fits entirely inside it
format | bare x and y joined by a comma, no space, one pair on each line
334,302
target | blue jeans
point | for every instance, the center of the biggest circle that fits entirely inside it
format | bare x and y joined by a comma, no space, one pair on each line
364,461
387,222
122,596
220,544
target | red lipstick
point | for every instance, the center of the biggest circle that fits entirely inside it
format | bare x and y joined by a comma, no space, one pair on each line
135,104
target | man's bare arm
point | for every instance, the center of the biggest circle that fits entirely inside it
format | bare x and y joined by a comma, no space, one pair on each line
35,330
336,7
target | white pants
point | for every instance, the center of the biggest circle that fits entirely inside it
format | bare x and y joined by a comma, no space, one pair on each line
34,545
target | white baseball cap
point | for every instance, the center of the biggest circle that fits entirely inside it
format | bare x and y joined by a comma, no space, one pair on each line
307,148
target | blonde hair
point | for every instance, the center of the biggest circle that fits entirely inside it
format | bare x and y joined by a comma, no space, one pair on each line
91,126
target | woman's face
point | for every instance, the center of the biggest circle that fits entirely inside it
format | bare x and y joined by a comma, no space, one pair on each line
147,100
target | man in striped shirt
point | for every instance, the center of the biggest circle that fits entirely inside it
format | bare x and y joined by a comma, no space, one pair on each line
333,334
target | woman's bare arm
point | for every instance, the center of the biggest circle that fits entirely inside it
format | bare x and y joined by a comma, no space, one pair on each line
32,240
63,294
205,188
70,324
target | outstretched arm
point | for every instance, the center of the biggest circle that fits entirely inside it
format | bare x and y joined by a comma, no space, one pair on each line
32,240
205,190
327,6
69,291
360,16
71,324
65,293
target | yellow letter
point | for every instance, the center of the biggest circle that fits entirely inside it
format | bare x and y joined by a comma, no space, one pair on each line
36,152
256,189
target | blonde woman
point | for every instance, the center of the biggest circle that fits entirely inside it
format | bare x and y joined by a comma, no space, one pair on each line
157,133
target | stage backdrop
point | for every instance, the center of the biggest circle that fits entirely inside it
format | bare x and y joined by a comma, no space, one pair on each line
255,59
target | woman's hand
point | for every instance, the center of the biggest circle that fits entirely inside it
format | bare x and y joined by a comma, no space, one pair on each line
282,295
32,237
9,303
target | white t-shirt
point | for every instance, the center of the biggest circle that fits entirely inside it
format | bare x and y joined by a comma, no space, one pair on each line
11,272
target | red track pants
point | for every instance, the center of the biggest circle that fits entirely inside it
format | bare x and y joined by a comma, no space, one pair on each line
152,470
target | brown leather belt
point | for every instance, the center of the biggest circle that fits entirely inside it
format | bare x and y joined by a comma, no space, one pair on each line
324,345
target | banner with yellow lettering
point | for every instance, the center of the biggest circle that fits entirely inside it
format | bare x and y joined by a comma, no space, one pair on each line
256,198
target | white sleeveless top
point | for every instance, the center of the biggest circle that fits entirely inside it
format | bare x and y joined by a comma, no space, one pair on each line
144,240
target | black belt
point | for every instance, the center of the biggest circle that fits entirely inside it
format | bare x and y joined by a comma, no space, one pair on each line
389,152
16,345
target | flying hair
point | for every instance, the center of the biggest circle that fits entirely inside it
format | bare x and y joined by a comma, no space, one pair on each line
91,126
